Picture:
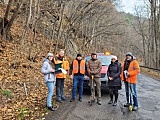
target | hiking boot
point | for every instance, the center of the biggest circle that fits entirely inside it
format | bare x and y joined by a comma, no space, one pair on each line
72,100
64,99
126,105
99,102
92,101
110,102
115,103
135,108
52,108
80,99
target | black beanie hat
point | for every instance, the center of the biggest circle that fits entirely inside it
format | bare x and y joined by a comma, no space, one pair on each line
79,55
93,54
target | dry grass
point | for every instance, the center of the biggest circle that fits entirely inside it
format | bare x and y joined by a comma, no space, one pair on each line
153,73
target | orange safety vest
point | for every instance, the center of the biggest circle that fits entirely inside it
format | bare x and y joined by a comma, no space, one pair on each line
75,67
64,64
133,70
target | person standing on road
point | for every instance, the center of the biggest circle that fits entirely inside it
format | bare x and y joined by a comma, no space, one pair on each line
77,73
94,68
48,69
130,70
114,80
60,62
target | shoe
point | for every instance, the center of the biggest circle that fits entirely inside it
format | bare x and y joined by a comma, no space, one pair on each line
80,99
60,101
52,108
110,102
64,99
99,102
126,105
135,108
72,100
92,101
115,103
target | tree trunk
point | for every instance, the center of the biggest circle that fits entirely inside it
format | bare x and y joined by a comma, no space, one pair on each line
59,27
27,23
4,21
8,26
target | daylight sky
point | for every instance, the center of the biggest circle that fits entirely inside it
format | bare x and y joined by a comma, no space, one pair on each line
128,5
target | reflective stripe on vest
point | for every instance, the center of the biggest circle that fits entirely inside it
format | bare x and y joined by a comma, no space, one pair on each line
75,67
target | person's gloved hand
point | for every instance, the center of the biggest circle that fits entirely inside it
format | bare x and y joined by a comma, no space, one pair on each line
128,74
92,73
86,77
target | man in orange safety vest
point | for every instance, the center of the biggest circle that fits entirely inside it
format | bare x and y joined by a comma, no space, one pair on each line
77,73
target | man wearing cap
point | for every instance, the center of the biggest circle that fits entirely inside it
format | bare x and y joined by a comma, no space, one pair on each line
130,70
77,73
94,68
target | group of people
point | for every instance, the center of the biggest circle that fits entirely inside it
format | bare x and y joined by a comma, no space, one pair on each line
54,77
79,70
126,72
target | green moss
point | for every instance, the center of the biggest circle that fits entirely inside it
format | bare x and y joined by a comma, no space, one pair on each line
6,93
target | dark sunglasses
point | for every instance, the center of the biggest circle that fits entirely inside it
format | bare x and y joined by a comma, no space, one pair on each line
113,59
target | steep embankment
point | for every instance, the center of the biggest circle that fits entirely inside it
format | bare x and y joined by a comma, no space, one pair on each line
22,64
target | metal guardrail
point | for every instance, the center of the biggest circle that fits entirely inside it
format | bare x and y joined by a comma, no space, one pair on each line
150,68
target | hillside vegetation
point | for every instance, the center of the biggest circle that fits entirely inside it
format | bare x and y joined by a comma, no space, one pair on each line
30,29
17,69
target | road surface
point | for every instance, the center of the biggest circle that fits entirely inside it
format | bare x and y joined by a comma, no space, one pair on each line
148,90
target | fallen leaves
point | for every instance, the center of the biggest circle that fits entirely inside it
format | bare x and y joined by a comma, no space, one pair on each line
15,70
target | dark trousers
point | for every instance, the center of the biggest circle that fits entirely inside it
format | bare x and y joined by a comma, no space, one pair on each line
60,88
113,90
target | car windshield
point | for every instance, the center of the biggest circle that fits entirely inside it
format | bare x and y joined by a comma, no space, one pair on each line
106,60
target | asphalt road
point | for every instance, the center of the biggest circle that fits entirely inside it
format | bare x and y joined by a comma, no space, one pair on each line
148,90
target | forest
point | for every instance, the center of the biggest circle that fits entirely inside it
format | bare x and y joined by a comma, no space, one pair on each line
29,29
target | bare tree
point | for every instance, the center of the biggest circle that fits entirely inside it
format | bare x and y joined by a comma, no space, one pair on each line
149,29
5,22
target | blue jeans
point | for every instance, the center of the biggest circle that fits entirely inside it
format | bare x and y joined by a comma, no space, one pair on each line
131,90
50,86
60,89
77,79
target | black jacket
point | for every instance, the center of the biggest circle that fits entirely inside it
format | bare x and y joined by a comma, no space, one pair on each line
114,71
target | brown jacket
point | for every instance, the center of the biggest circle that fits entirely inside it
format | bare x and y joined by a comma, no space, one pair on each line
94,68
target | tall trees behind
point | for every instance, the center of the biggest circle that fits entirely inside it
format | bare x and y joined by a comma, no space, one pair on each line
80,25
83,25
86,26
149,29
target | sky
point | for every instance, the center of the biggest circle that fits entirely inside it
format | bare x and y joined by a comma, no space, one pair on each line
128,5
